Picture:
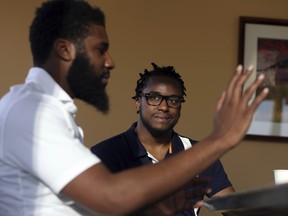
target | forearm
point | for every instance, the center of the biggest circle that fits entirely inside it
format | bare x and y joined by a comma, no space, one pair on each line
145,186
131,190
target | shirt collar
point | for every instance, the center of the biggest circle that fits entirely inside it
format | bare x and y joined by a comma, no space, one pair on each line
47,84
138,149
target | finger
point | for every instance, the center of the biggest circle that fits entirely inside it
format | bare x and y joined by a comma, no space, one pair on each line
236,87
251,91
239,89
259,99
233,80
228,93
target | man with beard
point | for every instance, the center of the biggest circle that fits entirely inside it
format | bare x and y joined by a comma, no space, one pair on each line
44,167
159,95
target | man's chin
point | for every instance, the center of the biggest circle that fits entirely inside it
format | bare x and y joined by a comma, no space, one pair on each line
98,99
103,107
104,112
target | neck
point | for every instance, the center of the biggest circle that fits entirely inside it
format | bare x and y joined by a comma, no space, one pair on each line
153,137
157,145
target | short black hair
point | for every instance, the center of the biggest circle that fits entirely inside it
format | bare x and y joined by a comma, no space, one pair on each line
165,71
66,19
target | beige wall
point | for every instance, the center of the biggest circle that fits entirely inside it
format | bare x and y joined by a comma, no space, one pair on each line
200,38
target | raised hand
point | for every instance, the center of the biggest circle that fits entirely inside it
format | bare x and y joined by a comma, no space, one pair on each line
234,110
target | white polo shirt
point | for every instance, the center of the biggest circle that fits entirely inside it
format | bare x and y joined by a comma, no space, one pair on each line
41,148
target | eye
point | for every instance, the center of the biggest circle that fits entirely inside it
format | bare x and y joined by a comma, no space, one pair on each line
174,100
102,50
155,97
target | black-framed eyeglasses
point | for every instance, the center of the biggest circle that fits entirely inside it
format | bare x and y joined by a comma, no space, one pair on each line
153,99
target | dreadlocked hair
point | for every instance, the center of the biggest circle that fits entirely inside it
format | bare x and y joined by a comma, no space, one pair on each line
165,71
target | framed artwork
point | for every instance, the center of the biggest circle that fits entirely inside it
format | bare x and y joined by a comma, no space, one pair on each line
263,43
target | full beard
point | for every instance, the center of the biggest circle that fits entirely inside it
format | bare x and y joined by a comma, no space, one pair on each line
86,85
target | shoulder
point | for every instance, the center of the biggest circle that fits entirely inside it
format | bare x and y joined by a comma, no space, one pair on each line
28,107
112,143
192,141
186,141
27,99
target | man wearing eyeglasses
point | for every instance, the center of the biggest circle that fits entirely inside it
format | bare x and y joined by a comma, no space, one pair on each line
158,100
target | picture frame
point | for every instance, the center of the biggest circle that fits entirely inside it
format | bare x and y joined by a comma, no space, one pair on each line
263,43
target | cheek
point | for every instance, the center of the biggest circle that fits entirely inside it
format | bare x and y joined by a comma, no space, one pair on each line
177,114
98,63
145,109
99,72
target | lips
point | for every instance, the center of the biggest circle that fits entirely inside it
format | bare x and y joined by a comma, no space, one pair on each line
105,77
162,117
104,81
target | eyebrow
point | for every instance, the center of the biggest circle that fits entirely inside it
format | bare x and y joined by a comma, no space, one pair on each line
157,93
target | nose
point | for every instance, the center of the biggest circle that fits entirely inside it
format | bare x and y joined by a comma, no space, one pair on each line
109,63
163,105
